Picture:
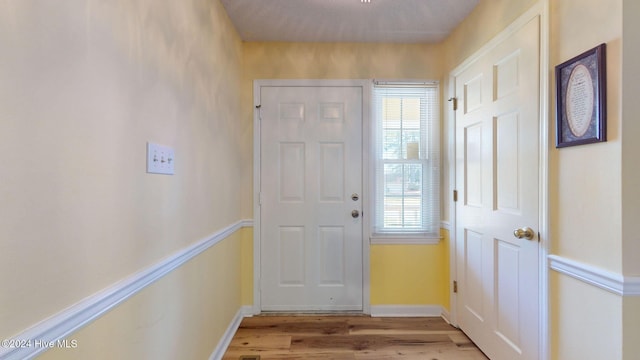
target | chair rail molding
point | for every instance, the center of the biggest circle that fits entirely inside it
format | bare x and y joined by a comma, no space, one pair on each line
604,279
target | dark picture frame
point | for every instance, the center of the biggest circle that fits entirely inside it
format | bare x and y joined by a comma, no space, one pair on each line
581,99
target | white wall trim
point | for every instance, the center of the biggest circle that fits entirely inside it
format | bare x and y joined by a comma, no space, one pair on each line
66,322
223,344
604,279
446,315
407,311
404,240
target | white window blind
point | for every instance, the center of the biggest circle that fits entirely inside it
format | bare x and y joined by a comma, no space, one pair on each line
407,199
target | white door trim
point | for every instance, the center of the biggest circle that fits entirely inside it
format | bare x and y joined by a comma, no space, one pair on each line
540,9
366,86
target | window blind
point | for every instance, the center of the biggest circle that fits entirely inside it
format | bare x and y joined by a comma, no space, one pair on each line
407,186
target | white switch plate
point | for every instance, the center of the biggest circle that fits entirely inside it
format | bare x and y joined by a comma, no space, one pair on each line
160,159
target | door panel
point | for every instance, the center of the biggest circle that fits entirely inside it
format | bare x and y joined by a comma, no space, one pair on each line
331,172
473,279
497,137
507,179
311,151
292,167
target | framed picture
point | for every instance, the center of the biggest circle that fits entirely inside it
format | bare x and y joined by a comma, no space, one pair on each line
581,101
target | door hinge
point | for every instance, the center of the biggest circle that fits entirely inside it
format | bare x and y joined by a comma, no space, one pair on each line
454,100
455,195
455,286
258,108
260,198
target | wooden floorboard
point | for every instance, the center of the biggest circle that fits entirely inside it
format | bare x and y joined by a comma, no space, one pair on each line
350,338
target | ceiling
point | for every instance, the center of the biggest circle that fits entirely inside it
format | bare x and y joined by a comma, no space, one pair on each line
400,21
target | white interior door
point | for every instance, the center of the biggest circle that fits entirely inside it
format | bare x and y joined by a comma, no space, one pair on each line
497,177
311,229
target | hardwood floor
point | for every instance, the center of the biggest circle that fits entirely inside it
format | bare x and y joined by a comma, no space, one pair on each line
350,337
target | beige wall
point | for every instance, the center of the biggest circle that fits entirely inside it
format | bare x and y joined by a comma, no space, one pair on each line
586,321
182,316
588,228
85,84
487,20
630,172
586,191
630,146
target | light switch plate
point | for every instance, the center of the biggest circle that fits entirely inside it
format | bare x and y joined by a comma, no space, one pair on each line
160,159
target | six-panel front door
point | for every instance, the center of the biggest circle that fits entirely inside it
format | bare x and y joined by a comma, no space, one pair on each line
311,229
497,177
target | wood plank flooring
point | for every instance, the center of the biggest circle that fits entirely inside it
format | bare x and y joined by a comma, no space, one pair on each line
350,338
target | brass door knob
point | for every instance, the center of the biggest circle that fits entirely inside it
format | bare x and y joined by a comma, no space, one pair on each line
524,233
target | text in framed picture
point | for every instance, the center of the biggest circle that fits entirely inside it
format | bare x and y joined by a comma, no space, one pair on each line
581,101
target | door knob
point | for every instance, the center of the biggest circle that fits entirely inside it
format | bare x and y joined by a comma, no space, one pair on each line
355,214
524,233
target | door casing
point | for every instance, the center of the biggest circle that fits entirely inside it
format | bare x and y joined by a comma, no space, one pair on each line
366,86
540,9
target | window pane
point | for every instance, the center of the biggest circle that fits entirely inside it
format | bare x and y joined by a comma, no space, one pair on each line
403,196
393,180
411,113
413,179
391,113
411,144
412,215
391,145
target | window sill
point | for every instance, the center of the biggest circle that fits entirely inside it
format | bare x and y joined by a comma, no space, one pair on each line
399,239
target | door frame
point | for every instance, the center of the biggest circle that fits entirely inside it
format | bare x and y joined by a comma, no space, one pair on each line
541,10
366,86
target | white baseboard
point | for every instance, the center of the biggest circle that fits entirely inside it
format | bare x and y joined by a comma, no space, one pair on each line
604,279
406,310
446,315
66,322
223,344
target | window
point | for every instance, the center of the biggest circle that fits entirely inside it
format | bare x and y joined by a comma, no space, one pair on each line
407,195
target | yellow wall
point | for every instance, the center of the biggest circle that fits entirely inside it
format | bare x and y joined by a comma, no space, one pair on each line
411,274
247,267
85,84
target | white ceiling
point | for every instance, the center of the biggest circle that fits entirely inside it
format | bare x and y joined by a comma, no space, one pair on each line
402,21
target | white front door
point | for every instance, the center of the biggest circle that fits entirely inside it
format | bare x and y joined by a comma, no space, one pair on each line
311,196
497,178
